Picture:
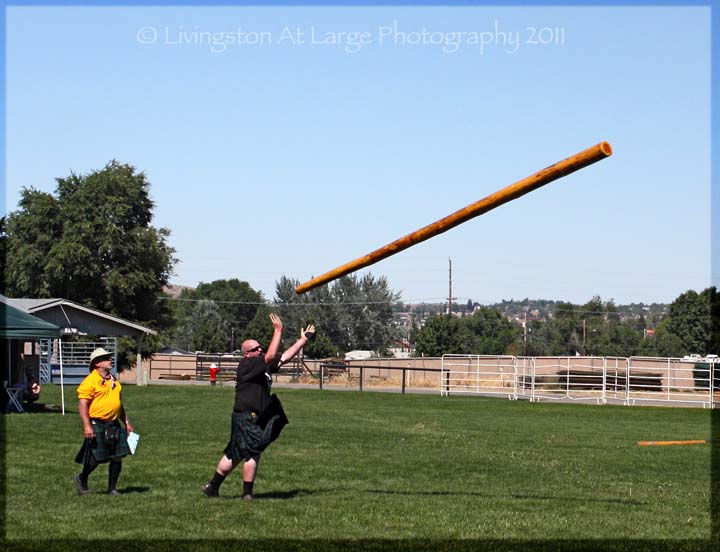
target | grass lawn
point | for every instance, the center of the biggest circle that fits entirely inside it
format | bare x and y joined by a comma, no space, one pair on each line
355,466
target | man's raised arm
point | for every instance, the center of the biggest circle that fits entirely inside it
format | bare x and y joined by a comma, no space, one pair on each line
306,335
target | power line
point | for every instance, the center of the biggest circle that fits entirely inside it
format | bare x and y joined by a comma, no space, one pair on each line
361,303
265,304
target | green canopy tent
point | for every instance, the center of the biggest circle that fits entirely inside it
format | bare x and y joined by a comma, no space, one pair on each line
16,324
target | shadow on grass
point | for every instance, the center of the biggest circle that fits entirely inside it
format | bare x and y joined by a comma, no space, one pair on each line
277,495
131,490
296,493
515,496
43,408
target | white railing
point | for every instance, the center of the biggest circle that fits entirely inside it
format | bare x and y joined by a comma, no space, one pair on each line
672,380
73,355
633,380
77,353
489,375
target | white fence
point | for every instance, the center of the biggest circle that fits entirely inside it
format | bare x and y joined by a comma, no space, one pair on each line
72,356
634,380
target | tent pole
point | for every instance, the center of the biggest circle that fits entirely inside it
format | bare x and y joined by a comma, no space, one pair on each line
62,383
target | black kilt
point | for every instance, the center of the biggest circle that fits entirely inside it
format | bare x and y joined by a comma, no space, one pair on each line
251,433
110,441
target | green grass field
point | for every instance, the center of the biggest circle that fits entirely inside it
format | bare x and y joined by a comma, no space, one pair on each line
356,466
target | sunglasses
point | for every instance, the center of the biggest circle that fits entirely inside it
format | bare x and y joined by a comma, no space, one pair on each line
254,349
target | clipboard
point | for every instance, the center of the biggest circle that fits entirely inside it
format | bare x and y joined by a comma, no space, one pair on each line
132,441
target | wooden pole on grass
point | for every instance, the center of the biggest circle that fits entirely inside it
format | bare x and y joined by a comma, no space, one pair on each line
670,443
548,174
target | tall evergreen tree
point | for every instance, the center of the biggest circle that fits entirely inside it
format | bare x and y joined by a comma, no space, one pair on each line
352,313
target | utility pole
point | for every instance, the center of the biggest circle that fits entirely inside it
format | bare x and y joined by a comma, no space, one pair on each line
525,330
449,311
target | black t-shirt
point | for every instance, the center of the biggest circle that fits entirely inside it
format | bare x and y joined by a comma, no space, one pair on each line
252,390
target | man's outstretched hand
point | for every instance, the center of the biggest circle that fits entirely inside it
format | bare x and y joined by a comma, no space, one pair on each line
308,332
276,322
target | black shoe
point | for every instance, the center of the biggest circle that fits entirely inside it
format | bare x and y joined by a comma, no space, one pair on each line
81,488
210,491
247,497
114,492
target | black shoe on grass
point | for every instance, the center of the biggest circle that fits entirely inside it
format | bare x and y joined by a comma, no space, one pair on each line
210,491
81,488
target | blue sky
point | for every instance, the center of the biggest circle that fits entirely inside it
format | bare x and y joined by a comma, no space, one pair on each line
271,157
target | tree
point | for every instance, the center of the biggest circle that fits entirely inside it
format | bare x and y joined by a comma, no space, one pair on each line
594,328
569,328
667,343
603,333
3,253
544,339
202,330
443,334
687,329
614,339
30,234
320,347
235,308
492,333
352,312
713,298
318,307
486,332
260,328
92,243
237,304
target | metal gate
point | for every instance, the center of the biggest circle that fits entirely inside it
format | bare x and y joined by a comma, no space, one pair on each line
74,356
629,381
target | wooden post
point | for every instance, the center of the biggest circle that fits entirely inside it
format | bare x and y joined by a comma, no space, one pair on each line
514,191
141,377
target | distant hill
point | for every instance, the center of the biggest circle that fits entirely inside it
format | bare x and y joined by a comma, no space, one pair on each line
174,291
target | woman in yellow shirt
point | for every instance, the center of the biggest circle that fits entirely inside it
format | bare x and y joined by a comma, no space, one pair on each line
101,408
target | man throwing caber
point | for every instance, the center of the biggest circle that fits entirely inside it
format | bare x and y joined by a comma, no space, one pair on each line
258,417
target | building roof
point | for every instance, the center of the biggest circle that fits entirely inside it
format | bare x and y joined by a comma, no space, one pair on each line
71,315
173,351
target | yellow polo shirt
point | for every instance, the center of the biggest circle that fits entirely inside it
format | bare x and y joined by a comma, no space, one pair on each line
105,403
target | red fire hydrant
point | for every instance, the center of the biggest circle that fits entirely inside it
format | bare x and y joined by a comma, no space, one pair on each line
213,373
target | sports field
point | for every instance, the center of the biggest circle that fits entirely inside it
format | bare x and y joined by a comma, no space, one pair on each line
356,466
